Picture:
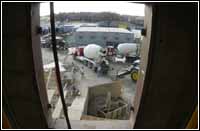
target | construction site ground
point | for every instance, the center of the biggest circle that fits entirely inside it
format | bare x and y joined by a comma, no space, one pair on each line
82,83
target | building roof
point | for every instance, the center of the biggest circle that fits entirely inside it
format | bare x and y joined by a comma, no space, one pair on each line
102,29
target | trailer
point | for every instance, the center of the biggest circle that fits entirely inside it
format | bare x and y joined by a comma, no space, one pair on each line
132,70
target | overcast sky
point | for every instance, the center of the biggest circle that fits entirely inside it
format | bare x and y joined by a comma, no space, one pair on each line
120,7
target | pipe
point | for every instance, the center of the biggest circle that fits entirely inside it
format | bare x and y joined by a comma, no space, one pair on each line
53,36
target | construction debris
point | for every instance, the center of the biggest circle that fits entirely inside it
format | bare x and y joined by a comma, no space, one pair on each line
102,102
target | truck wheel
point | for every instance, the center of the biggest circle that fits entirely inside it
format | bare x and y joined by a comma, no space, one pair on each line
134,75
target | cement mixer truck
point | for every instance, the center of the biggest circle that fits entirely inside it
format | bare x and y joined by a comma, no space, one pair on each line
129,51
93,56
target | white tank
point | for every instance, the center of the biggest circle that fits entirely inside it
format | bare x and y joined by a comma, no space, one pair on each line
92,51
127,49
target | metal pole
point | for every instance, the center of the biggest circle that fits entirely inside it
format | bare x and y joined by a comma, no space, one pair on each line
53,36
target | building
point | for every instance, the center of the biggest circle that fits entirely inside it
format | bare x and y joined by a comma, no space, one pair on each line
67,28
103,36
89,25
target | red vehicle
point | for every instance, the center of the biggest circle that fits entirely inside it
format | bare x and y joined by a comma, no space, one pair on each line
79,51
110,51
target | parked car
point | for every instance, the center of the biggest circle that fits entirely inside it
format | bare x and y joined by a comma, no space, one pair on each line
60,42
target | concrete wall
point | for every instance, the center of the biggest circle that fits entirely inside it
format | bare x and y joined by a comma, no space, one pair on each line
114,88
170,86
22,101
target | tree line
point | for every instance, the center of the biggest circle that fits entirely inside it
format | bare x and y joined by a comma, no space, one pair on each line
96,17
